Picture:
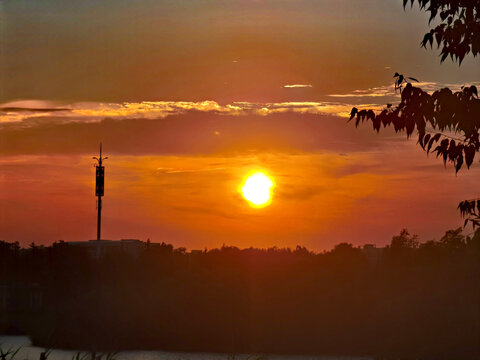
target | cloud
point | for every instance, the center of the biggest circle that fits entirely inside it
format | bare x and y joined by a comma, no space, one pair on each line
294,86
315,108
181,170
26,115
184,127
388,91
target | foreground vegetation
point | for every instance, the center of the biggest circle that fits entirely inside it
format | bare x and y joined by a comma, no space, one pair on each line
419,300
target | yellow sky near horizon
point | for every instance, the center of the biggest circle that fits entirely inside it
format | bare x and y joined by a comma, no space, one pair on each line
320,199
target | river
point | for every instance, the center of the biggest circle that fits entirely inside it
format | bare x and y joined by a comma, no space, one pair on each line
29,352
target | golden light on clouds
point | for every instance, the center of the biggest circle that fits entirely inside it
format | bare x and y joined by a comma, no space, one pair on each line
257,189
18,111
295,86
339,104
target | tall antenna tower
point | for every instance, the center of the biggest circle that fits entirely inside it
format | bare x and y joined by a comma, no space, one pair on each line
99,189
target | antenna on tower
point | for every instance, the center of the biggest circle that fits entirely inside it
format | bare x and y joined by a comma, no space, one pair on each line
99,189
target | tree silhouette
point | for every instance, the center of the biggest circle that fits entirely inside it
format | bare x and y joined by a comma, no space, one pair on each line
405,241
231,300
459,28
447,122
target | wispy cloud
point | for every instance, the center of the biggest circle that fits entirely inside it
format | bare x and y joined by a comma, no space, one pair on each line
172,170
294,86
388,91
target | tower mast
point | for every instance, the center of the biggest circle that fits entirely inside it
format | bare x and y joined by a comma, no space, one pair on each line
99,189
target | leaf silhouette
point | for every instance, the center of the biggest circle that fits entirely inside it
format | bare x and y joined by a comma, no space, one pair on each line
473,88
353,113
459,163
426,139
433,140
469,155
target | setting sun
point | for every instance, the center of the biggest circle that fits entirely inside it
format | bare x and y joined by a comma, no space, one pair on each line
257,189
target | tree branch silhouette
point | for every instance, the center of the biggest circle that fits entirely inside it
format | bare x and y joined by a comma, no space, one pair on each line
459,28
437,117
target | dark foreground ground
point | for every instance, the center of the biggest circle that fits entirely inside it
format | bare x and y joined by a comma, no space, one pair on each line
415,301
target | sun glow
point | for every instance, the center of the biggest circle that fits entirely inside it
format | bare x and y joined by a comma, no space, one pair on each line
257,189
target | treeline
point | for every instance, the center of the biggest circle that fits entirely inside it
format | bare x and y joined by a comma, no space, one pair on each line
418,300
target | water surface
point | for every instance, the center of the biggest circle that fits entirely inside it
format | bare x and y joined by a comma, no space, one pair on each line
29,352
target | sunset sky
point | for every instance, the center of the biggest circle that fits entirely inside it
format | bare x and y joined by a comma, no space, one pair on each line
189,96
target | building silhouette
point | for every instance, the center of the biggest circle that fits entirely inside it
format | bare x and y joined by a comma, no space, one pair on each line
98,249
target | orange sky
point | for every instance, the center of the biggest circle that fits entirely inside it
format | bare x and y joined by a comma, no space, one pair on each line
333,182
189,96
